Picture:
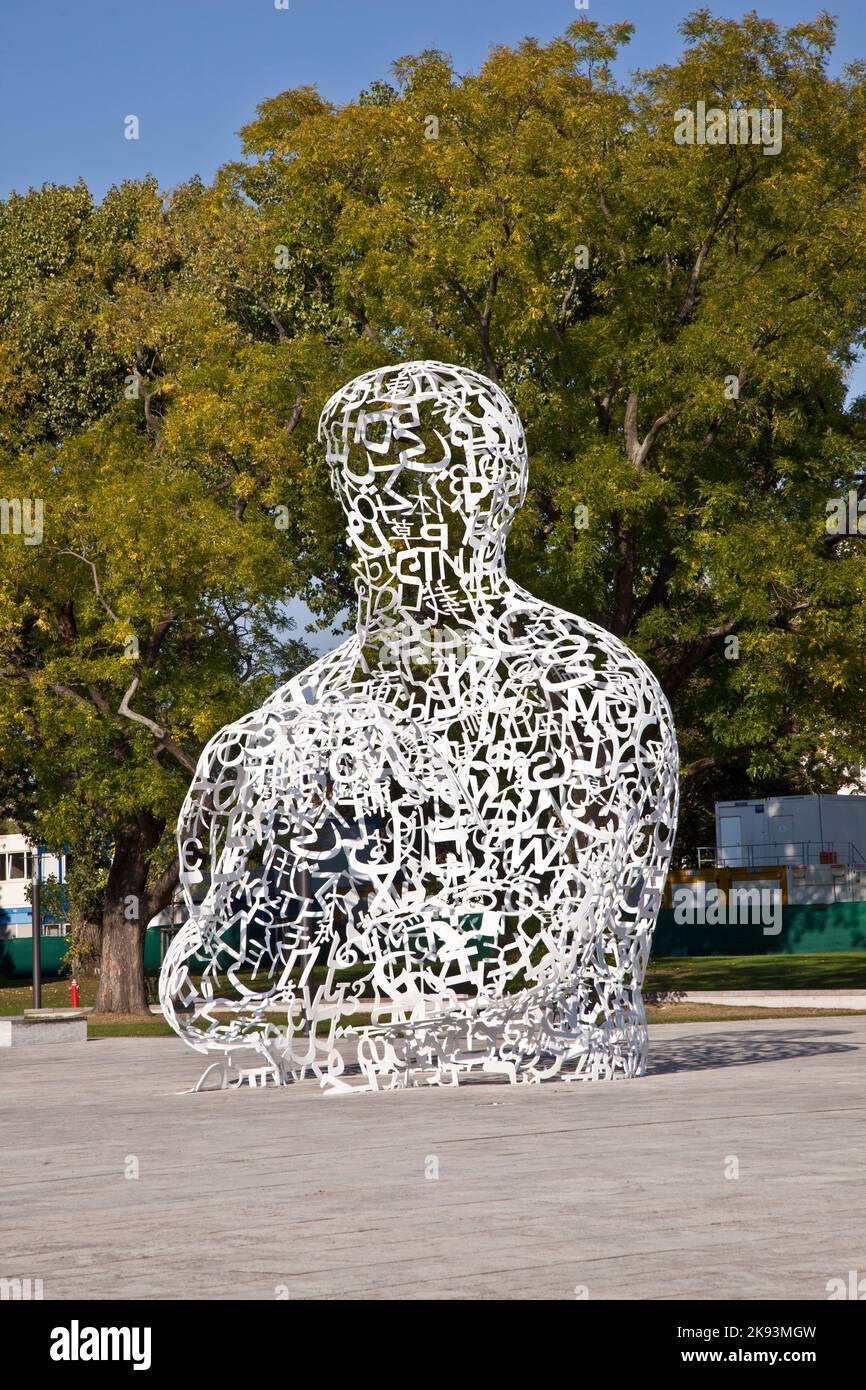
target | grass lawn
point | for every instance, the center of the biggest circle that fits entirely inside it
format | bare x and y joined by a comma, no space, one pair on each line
127,1026
17,995
836,970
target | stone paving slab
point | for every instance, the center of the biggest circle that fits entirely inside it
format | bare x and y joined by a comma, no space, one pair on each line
620,1189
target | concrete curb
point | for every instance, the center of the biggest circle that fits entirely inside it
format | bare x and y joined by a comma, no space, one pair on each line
766,998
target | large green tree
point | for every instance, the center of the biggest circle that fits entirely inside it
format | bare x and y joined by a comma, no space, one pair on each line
153,414
674,321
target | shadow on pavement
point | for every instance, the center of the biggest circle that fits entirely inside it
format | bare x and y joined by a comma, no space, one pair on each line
724,1049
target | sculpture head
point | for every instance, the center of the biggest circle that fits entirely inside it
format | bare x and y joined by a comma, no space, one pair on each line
424,455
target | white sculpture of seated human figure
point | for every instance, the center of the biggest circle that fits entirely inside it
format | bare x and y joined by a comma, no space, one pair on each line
460,819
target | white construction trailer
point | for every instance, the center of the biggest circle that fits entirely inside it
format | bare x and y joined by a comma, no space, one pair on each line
823,830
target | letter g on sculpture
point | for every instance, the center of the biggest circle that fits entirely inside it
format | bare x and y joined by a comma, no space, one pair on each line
441,849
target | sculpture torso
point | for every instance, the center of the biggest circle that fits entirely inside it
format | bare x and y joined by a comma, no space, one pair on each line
469,802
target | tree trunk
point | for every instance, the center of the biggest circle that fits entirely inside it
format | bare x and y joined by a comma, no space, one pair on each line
128,908
86,945
122,986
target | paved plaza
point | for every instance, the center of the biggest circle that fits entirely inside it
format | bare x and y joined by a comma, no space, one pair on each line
606,1190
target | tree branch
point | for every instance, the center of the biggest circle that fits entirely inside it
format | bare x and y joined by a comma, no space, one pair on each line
623,583
84,560
657,591
718,221
158,732
151,418
638,449
603,403
161,893
157,637
482,321
699,765
688,663
272,314
617,241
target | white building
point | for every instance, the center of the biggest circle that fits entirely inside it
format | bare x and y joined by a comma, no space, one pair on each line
17,858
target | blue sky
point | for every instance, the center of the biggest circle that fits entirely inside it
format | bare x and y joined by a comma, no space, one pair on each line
193,71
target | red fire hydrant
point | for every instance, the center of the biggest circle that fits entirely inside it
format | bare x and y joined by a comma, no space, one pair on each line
73,992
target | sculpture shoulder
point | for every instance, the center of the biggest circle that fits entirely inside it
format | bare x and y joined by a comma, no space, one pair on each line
306,697
329,677
567,651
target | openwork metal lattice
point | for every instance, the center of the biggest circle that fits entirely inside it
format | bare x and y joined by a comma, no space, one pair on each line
439,851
